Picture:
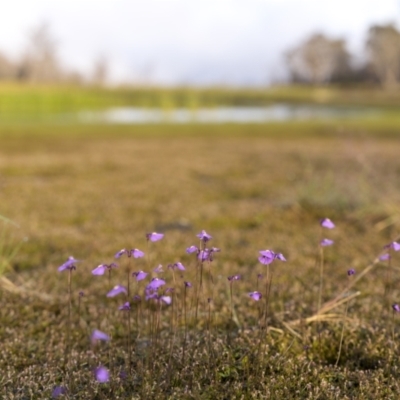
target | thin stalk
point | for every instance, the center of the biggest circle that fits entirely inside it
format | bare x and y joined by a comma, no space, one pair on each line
321,276
185,323
342,334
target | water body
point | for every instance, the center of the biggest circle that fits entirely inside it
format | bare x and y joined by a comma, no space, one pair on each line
221,115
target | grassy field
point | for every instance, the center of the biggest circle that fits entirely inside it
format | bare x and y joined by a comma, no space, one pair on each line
89,191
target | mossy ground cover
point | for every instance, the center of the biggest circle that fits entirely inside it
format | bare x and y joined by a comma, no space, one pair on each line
89,191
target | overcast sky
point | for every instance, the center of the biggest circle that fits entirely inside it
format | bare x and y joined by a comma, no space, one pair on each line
237,42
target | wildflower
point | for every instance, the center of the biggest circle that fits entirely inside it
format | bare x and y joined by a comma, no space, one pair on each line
268,256
140,275
136,253
384,257
100,269
117,290
69,264
154,236
234,278
99,335
255,295
326,242
155,284
101,374
204,236
121,253
166,299
177,265
192,249
58,391
125,307
396,307
327,223
187,284
136,297
351,271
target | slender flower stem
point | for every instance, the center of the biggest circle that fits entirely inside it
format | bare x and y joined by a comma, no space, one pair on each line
342,334
321,276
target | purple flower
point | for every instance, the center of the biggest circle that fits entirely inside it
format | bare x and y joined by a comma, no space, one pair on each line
100,269
203,255
117,290
166,299
99,335
155,284
267,256
192,249
279,256
187,284
396,307
125,307
351,271
204,236
140,275
154,236
177,265
69,264
121,253
326,242
101,374
234,278
394,245
384,257
58,391
327,223
259,276
81,293
136,253
136,297
158,269
255,295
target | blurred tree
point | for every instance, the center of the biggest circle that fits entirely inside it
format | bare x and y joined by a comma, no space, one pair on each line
319,60
383,46
100,71
7,68
39,62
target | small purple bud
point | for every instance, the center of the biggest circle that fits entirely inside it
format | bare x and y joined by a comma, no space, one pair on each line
69,264
384,257
116,290
123,375
327,223
81,293
234,278
58,391
259,276
140,275
204,236
121,253
255,295
192,249
101,374
154,236
99,335
393,245
125,307
326,242
136,253
188,284
215,249
396,307
136,297
155,284
351,271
